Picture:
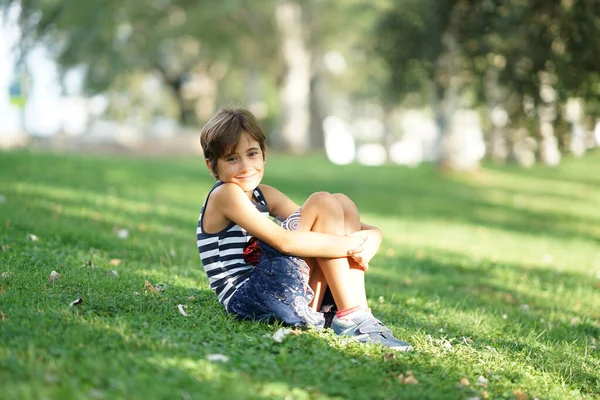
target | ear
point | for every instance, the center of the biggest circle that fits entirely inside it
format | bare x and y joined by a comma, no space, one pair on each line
208,166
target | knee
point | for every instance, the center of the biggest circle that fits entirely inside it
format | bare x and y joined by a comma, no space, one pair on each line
326,204
350,209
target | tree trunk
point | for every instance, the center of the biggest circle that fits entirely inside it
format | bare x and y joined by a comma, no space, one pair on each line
295,90
495,96
547,113
461,144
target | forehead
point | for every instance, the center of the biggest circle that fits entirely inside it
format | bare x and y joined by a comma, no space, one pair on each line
245,142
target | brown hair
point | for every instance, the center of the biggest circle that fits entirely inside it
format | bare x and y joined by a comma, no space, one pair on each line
222,132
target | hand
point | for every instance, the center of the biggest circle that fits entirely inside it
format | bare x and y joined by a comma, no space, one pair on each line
363,254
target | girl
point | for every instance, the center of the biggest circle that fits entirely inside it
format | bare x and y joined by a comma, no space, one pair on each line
266,271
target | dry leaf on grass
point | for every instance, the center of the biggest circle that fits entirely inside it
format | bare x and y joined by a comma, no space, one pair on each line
5,247
115,262
217,357
3,316
151,288
520,395
180,308
409,379
281,334
122,233
2,291
53,276
76,302
464,381
481,381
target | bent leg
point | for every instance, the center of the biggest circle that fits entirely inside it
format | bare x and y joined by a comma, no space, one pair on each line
322,212
351,225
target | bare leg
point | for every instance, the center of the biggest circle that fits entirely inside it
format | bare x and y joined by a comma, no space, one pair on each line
323,212
351,225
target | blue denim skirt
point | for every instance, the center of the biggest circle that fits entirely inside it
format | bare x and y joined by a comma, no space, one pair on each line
277,290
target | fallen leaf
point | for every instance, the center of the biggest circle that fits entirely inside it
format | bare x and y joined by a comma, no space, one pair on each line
484,394
3,316
481,381
180,308
5,247
115,262
467,340
509,298
464,381
76,302
388,356
2,291
520,395
53,276
151,288
295,332
281,334
32,237
217,357
409,379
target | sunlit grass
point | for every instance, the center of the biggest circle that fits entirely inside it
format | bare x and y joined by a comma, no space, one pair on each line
494,274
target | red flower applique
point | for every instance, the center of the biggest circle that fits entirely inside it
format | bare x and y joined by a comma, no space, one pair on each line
252,252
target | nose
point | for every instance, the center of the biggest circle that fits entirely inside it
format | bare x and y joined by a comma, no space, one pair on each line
244,165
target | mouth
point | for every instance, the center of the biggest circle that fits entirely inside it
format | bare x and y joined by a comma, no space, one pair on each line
242,178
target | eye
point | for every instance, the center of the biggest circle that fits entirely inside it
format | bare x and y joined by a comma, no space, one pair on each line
253,153
231,159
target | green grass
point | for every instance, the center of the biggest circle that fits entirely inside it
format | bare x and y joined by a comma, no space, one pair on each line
494,274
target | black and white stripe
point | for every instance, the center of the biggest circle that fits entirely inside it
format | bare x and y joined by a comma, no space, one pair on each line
222,255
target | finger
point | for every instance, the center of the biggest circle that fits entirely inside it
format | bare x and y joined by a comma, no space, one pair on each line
355,250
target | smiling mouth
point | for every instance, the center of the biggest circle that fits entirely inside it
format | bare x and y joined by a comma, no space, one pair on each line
247,177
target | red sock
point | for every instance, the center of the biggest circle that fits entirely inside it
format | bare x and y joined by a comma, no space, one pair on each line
347,311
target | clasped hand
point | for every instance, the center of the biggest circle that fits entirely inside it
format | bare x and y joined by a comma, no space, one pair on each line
367,249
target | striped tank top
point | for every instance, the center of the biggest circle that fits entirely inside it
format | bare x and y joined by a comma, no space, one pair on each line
221,253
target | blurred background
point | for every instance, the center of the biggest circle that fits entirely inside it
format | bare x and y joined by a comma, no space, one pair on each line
373,82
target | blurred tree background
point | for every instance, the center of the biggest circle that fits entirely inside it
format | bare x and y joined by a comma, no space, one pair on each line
409,81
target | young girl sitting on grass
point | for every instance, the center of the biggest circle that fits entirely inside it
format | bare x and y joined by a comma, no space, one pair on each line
263,270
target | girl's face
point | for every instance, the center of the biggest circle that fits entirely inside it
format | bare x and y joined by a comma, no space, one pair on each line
244,166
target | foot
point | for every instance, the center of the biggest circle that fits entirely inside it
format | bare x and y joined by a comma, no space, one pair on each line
365,328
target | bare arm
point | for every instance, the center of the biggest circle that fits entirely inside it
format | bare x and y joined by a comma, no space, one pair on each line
232,202
279,204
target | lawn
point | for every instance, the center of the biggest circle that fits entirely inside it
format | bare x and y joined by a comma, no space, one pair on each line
494,277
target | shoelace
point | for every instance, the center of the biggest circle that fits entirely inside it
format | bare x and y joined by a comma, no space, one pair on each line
373,325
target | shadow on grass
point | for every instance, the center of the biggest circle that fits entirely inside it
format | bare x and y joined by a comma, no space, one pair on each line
467,301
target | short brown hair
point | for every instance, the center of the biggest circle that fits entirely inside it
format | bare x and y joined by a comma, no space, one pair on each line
222,132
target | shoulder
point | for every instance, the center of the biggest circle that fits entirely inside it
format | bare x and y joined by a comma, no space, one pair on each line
226,193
